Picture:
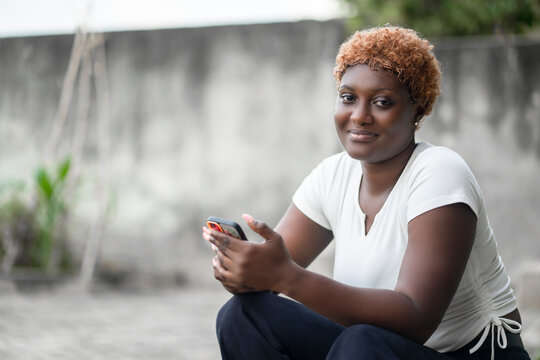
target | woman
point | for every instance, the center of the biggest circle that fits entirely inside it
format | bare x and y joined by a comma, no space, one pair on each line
417,274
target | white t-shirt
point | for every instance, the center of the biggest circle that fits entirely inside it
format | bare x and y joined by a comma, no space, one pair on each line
435,176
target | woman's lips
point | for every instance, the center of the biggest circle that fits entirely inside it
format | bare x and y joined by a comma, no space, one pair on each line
361,135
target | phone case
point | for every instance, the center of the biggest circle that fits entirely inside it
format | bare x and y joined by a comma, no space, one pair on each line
228,227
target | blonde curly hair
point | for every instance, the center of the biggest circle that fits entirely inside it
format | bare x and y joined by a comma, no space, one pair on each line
402,52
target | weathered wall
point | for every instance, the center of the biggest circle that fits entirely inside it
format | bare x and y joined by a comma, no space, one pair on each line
225,120
490,113
209,121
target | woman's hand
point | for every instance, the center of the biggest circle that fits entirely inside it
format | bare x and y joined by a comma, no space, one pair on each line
243,266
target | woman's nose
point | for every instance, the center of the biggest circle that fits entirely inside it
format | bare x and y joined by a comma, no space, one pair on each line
361,114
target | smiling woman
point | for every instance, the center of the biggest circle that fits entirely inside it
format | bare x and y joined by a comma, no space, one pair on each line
400,52
375,119
417,272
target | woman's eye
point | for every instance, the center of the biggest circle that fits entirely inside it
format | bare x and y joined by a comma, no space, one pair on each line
382,103
347,98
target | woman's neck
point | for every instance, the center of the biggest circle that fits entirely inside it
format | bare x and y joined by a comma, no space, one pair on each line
381,177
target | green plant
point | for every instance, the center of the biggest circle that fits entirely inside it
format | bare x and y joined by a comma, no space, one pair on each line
33,223
446,17
51,210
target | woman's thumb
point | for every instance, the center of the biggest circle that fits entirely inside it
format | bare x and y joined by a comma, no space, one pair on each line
260,227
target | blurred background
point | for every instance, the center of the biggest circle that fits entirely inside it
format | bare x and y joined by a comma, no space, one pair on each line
125,124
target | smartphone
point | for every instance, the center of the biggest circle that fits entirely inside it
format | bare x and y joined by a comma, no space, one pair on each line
228,227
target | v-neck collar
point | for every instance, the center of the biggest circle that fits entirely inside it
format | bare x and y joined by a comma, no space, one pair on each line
358,182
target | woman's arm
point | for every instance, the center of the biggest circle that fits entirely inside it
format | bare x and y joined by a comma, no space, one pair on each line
439,245
304,238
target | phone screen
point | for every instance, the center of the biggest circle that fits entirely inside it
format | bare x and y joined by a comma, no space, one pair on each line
229,230
226,226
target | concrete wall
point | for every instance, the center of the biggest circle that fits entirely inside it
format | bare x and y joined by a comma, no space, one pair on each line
225,120
210,121
490,113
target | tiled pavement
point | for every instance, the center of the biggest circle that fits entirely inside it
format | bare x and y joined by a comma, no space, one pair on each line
162,324
63,324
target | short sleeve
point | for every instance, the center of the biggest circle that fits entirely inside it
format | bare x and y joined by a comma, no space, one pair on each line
311,197
440,177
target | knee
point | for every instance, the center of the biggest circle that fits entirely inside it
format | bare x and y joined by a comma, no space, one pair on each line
237,309
360,341
364,333
228,312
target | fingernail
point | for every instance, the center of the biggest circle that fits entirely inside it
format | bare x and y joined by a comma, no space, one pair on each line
248,218
207,237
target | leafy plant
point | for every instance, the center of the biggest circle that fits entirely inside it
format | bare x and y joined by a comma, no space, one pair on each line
34,224
50,211
446,17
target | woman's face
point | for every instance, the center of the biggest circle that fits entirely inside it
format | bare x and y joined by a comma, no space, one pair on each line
374,115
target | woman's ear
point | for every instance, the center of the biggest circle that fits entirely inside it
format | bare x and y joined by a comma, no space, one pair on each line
418,116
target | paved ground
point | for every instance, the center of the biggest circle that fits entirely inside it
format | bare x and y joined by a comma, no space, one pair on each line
172,324
163,324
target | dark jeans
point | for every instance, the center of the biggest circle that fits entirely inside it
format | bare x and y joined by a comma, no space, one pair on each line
259,326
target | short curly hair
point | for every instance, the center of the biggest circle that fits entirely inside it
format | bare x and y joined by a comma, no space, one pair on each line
402,52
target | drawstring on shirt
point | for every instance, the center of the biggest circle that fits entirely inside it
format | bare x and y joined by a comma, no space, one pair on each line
500,324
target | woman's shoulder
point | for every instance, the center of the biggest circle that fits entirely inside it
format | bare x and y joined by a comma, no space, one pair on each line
439,164
436,156
425,148
439,176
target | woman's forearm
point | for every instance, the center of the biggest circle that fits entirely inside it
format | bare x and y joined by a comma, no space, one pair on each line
348,305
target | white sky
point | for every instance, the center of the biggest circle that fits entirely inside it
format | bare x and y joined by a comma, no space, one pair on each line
32,17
